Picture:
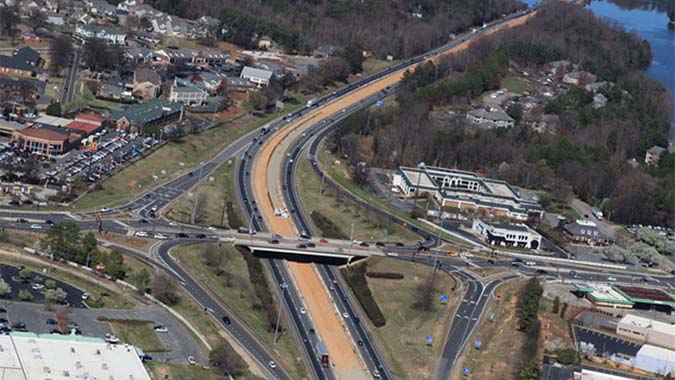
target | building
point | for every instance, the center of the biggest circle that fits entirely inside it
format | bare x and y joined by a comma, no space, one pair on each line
139,55
507,235
465,190
147,37
7,128
584,231
586,374
46,139
647,298
55,19
110,35
15,66
153,114
29,55
493,118
188,95
655,360
579,78
602,295
653,155
259,77
599,101
29,356
647,331
239,84
146,84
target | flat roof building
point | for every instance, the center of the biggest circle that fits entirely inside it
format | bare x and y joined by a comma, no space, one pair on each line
46,139
29,356
602,295
655,360
647,331
258,76
508,235
465,190
646,297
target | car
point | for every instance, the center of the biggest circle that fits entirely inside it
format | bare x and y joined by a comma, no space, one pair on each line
173,224
49,222
160,237
310,245
274,241
73,325
18,326
182,235
360,343
3,310
356,241
303,310
160,329
143,221
272,364
226,320
379,244
364,244
51,321
345,315
312,331
611,278
105,209
55,331
301,246
141,234
190,174
324,241
276,236
85,296
399,244
200,236
376,374
574,273
191,360
35,226
214,237
357,320
540,271
38,286
230,239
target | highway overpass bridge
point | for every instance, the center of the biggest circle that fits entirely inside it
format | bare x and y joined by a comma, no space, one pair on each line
334,249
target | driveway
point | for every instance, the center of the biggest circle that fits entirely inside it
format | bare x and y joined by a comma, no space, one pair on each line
584,209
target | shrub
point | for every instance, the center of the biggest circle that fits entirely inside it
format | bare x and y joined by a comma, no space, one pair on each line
232,217
388,275
327,227
261,287
568,356
355,277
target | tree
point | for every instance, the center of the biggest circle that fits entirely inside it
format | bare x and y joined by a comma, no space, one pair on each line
515,111
227,360
353,54
61,49
532,370
114,265
64,239
54,108
25,295
24,274
50,284
9,20
165,290
213,257
556,305
141,280
5,289
56,295
37,18
567,356
425,294
257,101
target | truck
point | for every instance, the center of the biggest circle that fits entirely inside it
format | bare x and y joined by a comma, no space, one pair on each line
597,213
322,353
311,102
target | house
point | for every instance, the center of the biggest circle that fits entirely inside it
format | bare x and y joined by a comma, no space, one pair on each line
492,118
653,155
276,69
139,55
265,42
110,35
114,92
23,89
29,55
239,84
579,78
11,65
146,83
324,51
259,77
507,235
596,86
599,101
187,95
141,117
147,37
584,231
55,19
557,67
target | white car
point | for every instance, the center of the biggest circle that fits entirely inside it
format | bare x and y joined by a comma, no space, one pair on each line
230,239
191,360
212,228
105,209
161,329
610,278
356,241
161,237
141,234
38,286
303,311
35,226
272,364
173,224
345,315
85,296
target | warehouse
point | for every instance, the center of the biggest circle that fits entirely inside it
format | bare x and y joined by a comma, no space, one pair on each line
655,360
647,331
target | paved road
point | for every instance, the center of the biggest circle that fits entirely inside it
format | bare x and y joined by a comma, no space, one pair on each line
69,90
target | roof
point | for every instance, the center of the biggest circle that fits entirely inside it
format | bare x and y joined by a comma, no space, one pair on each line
80,126
581,228
143,113
44,134
661,327
96,29
645,295
497,115
16,63
238,82
142,75
28,356
193,90
251,72
663,354
657,150
89,117
53,120
27,54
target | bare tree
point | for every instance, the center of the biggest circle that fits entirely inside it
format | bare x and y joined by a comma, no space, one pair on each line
61,48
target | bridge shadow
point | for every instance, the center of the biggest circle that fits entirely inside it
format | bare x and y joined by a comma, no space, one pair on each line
301,258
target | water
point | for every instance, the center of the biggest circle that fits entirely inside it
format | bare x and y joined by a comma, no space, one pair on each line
649,19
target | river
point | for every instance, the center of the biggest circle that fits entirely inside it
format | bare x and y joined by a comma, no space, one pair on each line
649,19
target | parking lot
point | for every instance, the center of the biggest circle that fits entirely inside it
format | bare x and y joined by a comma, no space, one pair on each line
178,340
35,284
606,345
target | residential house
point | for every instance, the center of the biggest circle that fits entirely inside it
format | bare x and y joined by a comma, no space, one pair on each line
175,56
584,231
29,55
653,155
595,86
146,84
114,92
110,35
147,37
558,67
277,69
599,101
15,66
55,19
492,118
20,89
239,84
139,55
265,42
101,8
154,114
187,95
324,51
209,57
259,77
507,235
579,78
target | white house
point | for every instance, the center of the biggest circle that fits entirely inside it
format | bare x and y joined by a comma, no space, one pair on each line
54,19
110,35
258,76
490,118
187,95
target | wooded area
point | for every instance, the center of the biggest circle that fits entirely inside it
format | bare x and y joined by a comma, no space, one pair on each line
398,27
588,154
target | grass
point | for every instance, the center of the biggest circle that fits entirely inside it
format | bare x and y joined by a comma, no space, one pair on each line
217,193
343,212
373,65
402,339
514,83
170,160
136,332
233,288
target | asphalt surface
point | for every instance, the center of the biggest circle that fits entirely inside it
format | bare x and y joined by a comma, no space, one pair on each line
606,345
69,90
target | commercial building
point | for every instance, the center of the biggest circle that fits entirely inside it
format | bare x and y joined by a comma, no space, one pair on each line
492,118
188,95
602,295
7,128
46,139
508,235
259,77
28,356
586,374
15,66
647,331
584,231
647,298
153,114
465,190
655,360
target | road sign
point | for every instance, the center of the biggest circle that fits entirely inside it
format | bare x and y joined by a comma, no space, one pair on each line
478,343
465,370
386,234
430,340
379,103
491,315
100,267
444,298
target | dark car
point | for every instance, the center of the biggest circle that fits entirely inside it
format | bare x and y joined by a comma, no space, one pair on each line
143,221
364,244
19,326
379,244
55,331
182,235
357,320
21,220
310,245
360,343
311,331
200,236
3,310
540,271
274,241
399,244
190,174
303,246
226,320
49,221
51,321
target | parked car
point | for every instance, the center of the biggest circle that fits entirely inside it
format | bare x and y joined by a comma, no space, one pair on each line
160,329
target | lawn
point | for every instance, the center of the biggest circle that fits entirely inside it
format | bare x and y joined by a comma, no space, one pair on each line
514,83
233,288
367,225
402,339
170,160
217,193
136,332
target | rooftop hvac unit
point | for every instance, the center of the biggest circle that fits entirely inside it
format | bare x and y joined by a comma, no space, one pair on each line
166,109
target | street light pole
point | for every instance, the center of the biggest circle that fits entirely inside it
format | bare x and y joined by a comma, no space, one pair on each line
421,166
194,206
276,327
